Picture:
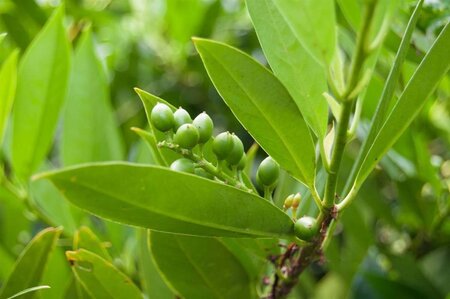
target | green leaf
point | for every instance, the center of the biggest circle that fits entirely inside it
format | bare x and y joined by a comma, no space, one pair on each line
8,81
100,278
96,138
200,267
86,239
31,263
152,281
385,101
426,78
161,199
41,89
262,105
279,25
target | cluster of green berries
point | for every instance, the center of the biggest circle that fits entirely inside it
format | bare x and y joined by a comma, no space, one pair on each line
226,146
189,133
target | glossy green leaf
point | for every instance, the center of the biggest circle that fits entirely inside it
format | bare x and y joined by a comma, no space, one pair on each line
146,196
382,110
200,267
86,239
100,278
153,284
31,263
8,82
279,25
312,23
426,78
262,105
96,137
41,89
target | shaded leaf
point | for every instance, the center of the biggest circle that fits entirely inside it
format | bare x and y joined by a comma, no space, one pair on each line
96,137
200,267
100,278
31,263
86,239
41,89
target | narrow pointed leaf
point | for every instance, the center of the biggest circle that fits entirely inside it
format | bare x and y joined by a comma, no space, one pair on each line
8,82
434,66
96,137
262,105
200,267
41,89
30,265
278,26
382,110
161,199
100,278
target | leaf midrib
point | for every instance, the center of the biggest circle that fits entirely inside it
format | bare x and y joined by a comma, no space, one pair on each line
178,217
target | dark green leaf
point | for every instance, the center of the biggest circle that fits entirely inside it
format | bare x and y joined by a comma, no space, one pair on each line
96,137
262,105
100,278
41,89
165,200
200,267
31,263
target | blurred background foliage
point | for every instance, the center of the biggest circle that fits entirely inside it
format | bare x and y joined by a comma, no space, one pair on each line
394,242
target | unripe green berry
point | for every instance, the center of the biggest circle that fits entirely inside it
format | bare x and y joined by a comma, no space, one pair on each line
181,117
203,173
236,152
186,136
205,126
242,162
183,165
305,228
268,172
222,145
162,117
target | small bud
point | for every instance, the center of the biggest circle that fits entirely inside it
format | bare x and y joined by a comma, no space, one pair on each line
296,200
186,136
268,172
162,117
222,145
205,126
288,202
236,152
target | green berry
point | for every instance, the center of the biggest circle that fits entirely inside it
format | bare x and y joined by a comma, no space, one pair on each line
268,172
205,126
186,136
222,145
181,117
305,228
162,117
237,151
203,173
242,162
183,165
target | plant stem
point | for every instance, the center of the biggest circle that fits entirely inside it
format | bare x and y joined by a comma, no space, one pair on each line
340,140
